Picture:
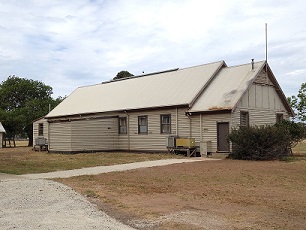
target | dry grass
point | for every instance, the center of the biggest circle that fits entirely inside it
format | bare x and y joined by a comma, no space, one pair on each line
19,143
203,195
300,149
22,160
225,194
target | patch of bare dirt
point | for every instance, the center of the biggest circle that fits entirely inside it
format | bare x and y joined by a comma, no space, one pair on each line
223,194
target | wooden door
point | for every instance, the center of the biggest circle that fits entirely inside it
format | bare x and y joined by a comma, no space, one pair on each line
222,135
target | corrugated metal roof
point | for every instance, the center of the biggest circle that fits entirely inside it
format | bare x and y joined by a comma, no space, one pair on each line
2,130
224,92
178,87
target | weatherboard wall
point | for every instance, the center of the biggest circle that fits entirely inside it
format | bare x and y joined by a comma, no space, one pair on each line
60,136
153,140
102,133
1,139
96,134
209,125
263,103
36,128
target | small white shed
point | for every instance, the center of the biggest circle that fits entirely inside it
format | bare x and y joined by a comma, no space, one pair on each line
2,131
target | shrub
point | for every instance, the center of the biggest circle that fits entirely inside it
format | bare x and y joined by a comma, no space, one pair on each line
266,142
297,131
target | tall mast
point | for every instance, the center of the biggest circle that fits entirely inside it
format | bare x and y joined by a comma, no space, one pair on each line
266,33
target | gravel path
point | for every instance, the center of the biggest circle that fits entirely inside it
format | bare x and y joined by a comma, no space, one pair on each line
31,202
43,204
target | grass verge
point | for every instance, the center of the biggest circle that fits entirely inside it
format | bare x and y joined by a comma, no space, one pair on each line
23,160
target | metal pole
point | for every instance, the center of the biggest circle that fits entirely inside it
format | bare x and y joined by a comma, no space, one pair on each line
176,121
266,32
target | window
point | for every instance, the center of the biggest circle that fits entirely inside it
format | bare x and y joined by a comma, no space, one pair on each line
122,125
244,119
279,117
143,125
40,129
165,123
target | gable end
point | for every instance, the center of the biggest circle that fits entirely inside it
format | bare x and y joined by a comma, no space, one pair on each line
263,79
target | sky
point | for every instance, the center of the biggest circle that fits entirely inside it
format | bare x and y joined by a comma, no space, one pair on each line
68,44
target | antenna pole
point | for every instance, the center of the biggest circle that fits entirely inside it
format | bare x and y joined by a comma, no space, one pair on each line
266,30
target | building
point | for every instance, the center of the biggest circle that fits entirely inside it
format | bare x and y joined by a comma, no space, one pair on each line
2,131
138,113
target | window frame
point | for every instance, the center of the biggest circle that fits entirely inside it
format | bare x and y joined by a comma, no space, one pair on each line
247,119
279,117
141,125
162,125
40,129
120,125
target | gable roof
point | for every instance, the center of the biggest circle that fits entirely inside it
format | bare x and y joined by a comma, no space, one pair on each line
280,92
2,130
170,88
202,88
227,87
230,84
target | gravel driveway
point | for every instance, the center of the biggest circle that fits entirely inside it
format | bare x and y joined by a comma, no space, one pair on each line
29,202
43,204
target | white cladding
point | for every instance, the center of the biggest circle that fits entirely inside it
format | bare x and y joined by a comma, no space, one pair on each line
45,129
2,130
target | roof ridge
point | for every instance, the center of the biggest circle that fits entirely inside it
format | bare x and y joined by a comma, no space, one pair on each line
166,71
142,75
163,71
245,64
211,63
150,74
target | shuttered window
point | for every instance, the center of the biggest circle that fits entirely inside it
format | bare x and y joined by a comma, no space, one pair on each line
244,119
143,125
40,129
122,125
165,123
279,117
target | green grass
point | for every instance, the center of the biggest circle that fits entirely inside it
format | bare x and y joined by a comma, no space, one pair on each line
24,160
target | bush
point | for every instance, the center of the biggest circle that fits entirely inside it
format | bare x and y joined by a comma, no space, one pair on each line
266,142
297,131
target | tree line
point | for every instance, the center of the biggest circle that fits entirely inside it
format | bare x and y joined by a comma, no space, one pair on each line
22,102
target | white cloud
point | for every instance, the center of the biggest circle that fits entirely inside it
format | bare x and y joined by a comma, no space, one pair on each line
68,44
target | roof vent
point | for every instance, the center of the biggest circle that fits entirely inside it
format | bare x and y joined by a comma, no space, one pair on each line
252,63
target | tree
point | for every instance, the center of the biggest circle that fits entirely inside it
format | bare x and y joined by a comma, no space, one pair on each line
298,103
23,101
123,74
